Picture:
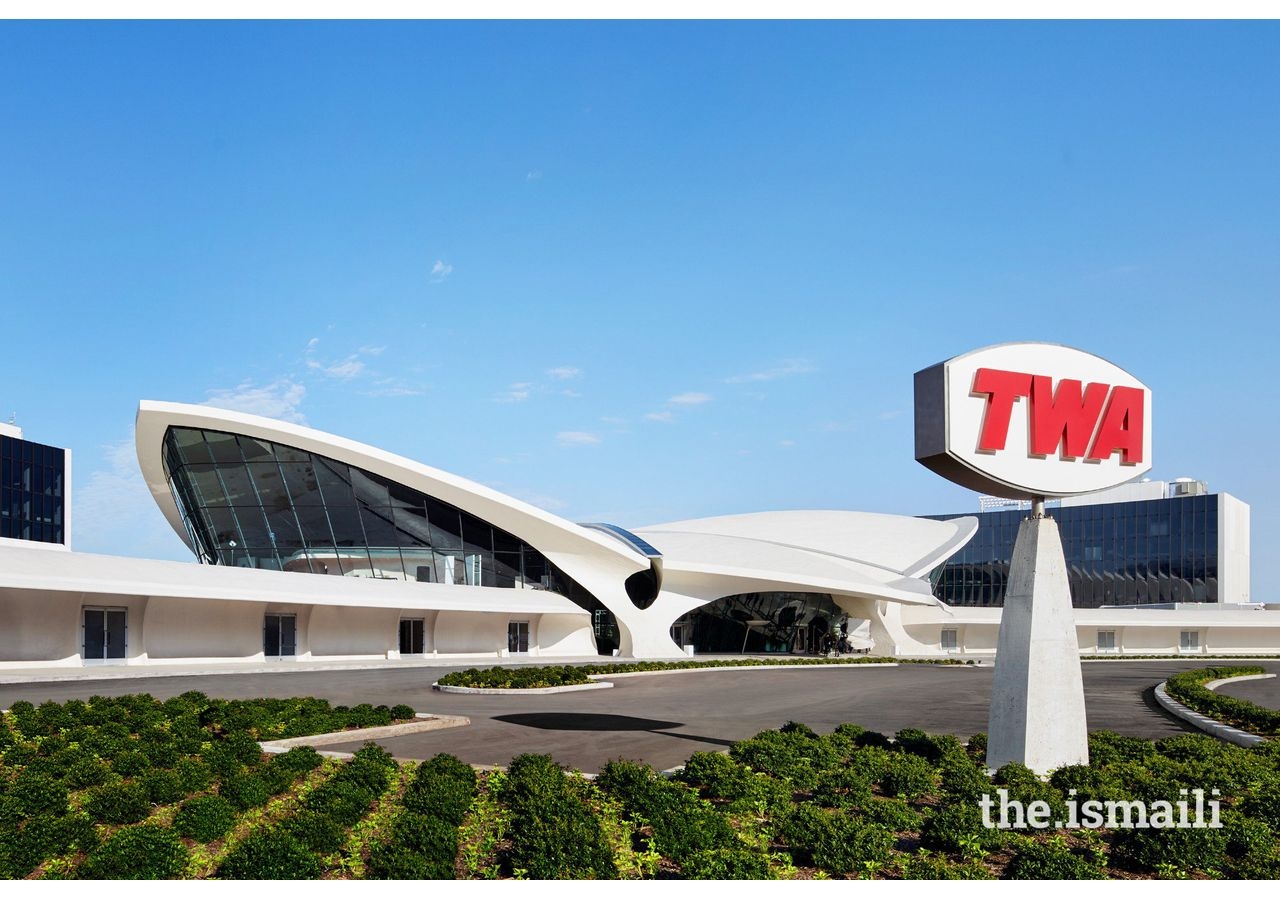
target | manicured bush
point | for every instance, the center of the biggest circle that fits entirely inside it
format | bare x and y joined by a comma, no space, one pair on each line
554,834
120,803
926,866
222,759
433,838
317,833
909,776
391,861
205,818
270,855
834,841
682,823
37,795
137,852
87,772
448,766
958,828
442,797
725,864
402,711
194,775
1187,849
793,756
343,801
1050,861
841,788
162,786
298,760
1188,688
244,791
894,814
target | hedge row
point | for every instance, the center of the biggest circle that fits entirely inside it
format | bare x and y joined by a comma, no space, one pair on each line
423,840
1189,689
525,677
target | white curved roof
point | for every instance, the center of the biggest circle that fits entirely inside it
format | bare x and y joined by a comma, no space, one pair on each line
558,539
899,544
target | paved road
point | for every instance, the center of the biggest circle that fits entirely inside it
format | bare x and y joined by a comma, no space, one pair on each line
1264,691
661,719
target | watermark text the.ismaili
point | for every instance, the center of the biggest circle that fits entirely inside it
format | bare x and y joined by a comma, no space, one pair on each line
1191,810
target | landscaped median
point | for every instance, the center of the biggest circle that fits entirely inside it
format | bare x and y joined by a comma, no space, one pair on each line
134,788
508,678
1191,690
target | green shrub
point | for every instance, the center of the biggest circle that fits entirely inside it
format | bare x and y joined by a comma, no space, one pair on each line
86,772
129,763
244,791
962,780
909,776
1050,861
42,837
137,852
223,761
243,747
298,760
1246,835
892,813
1188,688
553,832
162,787
682,823
926,866
317,833
344,802
439,796
445,765
1181,848
425,834
841,788
37,795
52,745
275,779
400,711
270,855
205,818
1107,747
121,803
194,775
390,861
958,828
835,841
725,864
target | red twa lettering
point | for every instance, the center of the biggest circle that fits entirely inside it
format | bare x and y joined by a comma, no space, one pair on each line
1063,418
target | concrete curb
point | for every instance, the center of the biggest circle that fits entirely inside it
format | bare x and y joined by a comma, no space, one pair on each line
1215,684
1204,723
426,722
563,689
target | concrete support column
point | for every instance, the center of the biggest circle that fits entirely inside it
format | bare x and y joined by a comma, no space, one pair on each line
1037,693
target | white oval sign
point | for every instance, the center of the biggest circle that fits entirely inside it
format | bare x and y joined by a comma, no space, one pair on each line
1032,420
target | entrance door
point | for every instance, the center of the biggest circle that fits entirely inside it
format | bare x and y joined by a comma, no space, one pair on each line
517,637
105,633
412,637
280,635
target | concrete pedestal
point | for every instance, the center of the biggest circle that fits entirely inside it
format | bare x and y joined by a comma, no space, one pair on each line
1037,693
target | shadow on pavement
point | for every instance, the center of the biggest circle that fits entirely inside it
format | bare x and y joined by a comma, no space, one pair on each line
574,721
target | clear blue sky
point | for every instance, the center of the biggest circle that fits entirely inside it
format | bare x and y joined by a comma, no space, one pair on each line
633,272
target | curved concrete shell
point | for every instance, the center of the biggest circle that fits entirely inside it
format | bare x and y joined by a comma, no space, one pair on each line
646,579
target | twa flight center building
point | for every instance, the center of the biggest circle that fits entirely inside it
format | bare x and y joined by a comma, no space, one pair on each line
317,548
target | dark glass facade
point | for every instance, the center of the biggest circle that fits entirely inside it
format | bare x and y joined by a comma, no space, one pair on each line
247,502
773,622
1117,554
32,486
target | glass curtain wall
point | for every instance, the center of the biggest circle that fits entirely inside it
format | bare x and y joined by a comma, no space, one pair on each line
257,504
31,490
1117,554
773,622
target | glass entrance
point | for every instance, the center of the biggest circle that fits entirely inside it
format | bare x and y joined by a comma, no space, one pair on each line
280,635
517,637
105,633
412,637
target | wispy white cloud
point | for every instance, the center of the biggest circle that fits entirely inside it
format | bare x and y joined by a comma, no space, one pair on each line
516,393
533,175
665,416
115,513
565,372
690,398
572,438
346,370
372,351
280,399
786,443
785,369
440,271
568,392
